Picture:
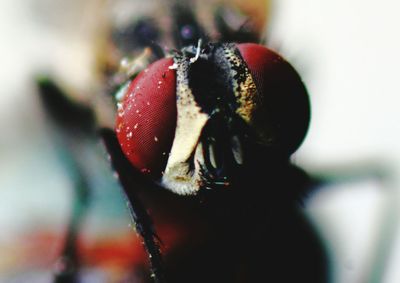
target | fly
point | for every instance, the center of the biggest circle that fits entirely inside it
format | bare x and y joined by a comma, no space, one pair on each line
201,143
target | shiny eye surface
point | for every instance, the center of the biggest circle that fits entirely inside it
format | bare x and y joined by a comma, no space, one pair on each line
284,112
146,119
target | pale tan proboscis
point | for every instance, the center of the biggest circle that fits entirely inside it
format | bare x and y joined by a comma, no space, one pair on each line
190,122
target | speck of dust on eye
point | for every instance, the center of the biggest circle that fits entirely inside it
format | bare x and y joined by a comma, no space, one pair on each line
118,130
136,126
137,111
129,135
148,103
159,82
173,66
155,139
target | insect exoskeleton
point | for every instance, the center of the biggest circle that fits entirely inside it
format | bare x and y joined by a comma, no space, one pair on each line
189,121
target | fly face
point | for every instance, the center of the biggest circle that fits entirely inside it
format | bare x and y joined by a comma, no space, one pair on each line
195,121
215,94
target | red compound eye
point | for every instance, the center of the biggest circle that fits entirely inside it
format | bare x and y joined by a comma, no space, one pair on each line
146,119
284,109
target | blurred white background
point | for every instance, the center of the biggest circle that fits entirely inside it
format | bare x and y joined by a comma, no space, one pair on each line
348,55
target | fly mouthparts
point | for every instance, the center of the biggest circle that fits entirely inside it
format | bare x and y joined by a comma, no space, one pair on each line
211,156
237,150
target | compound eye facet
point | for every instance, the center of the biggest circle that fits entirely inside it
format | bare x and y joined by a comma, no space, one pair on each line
284,111
146,119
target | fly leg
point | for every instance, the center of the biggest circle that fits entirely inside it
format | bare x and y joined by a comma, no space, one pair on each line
130,178
73,128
